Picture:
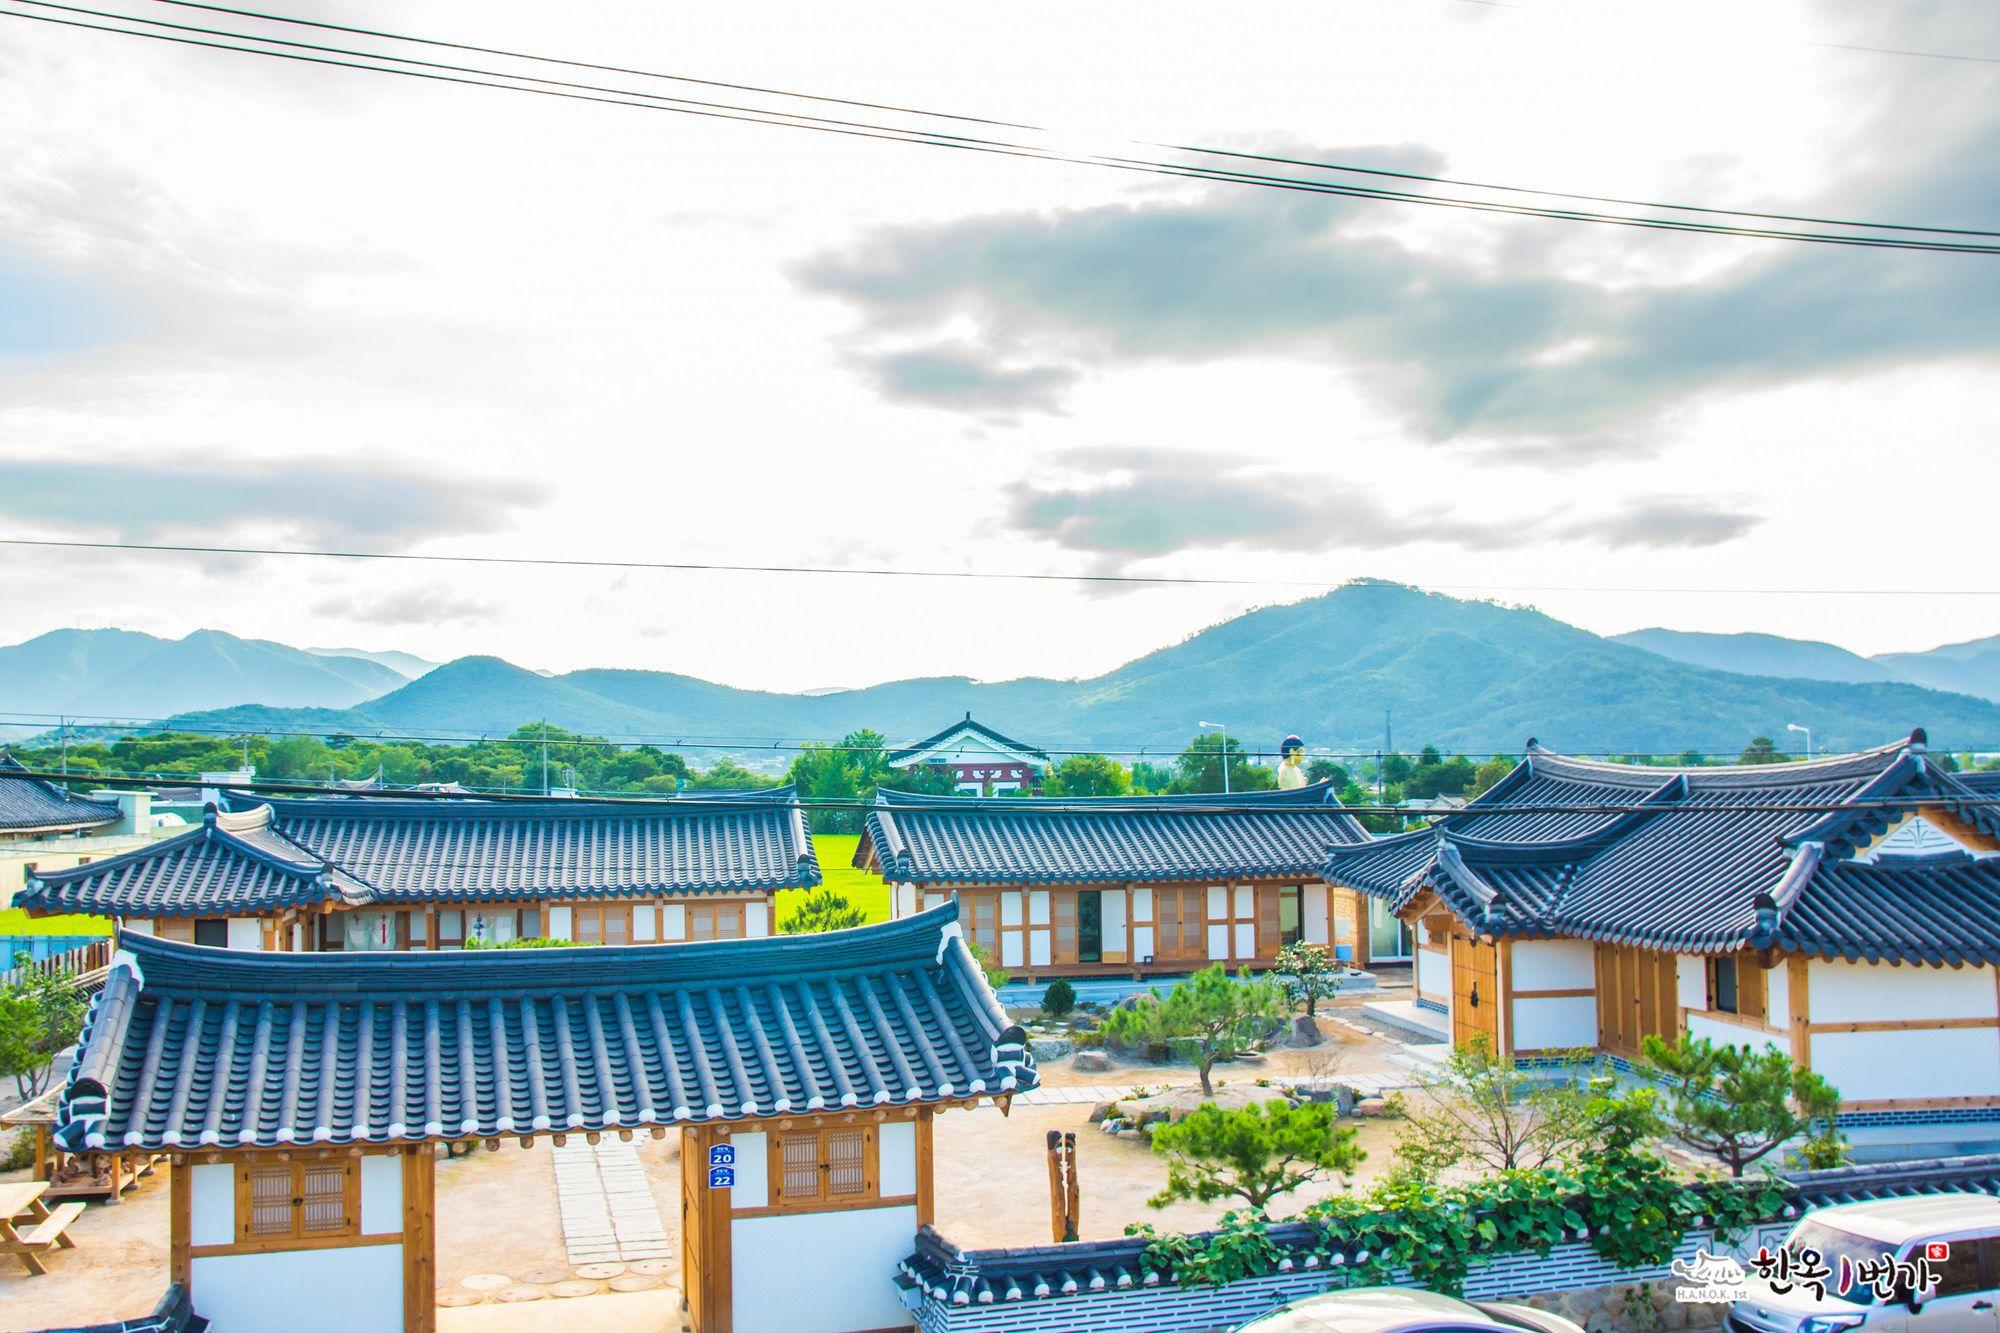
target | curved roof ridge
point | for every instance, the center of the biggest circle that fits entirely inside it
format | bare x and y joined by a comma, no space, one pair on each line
1312,795
358,806
1825,766
966,723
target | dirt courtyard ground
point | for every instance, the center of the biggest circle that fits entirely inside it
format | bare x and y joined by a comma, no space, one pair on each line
498,1216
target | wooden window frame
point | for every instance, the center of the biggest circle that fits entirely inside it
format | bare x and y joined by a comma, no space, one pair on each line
727,910
1714,968
297,1236
868,1196
597,912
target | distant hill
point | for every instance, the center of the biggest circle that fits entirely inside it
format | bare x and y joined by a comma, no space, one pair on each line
121,673
1759,655
1969,668
1963,668
1458,674
407,665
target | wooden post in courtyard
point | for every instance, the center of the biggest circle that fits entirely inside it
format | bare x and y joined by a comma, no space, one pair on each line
1063,1188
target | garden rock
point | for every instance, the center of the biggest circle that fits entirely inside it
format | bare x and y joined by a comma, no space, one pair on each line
1374,1107
1093,1062
1049,1048
1102,1112
1305,1031
1082,1023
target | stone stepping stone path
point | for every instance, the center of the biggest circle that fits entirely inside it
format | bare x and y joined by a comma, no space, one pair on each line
608,1211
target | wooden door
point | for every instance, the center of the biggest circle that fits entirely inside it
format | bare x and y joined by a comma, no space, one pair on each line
694,1182
1181,925
1475,991
1637,997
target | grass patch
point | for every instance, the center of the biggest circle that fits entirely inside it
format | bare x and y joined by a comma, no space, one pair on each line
864,890
14,921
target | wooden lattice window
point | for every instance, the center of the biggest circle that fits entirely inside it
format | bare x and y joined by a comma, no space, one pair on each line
715,921
603,925
824,1166
281,1201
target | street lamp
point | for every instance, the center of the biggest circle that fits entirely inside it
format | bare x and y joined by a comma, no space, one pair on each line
1793,726
1224,749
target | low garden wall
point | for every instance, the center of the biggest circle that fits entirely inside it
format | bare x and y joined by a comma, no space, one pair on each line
1105,1286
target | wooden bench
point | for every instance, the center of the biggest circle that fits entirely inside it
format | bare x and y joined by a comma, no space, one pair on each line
21,1205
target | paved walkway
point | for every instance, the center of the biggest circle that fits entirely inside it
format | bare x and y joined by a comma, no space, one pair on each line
608,1211
1368,1085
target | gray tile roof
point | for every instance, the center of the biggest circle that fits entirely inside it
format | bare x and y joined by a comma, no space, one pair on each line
271,853
1689,861
1103,840
189,1046
174,1314
232,863
29,803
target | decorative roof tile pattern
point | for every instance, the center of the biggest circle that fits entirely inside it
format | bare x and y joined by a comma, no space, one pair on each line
189,1046
1103,840
29,803
1703,859
916,749
271,853
174,1314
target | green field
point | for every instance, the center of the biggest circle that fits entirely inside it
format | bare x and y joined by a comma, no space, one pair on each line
14,921
864,890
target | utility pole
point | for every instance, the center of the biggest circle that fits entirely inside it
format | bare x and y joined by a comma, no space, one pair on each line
1223,748
62,731
545,756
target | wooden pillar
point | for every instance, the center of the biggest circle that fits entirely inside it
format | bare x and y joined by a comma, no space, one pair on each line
430,928
1363,943
180,1218
419,1239
926,1179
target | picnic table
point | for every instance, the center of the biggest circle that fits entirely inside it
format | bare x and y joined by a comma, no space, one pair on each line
21,1206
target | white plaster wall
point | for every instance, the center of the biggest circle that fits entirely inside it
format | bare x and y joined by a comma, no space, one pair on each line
245,932
1010,908
212,1204
1318,915
1038,948
559,923
1434,973
1724,1031
1218,902
1842,992
673,922
1142,943
1555,1023
753,1169
1778,995
820,1272
896,1146
350,1289
756,920
138,925
1246,900
1038,907
1246,941
1011,953
906,900
381,1194
1872,1066
1554,965
645,923
1691,981
1142,904
1218,943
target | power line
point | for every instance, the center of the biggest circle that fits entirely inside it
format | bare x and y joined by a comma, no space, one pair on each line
1346,168
1172,580
928,138
746,801
1892,51
784,745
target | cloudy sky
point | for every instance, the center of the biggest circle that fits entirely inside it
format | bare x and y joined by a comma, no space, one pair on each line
247,302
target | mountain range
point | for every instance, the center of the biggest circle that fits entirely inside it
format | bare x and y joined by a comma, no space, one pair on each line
1966,668
123,673
1341,670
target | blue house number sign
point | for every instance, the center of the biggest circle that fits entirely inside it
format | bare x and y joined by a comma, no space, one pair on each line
721,1166
722,1154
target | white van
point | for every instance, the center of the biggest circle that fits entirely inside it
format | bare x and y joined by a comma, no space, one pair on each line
1965,1298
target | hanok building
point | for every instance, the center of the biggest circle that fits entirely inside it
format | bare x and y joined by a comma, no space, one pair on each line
355,872
302,1098
41,823
1132,885
981,761
1845,910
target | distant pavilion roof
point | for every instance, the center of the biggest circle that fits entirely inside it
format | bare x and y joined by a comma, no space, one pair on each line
1104,840
358,851
1006,744
1657,858
189,1046
32,805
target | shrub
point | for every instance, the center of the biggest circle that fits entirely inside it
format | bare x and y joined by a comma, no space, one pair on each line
1210,1016
1254,1152
1309,973
1059,998
822,910
1737,1104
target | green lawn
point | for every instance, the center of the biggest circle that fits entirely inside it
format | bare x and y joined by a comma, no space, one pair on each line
864,890
14,921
